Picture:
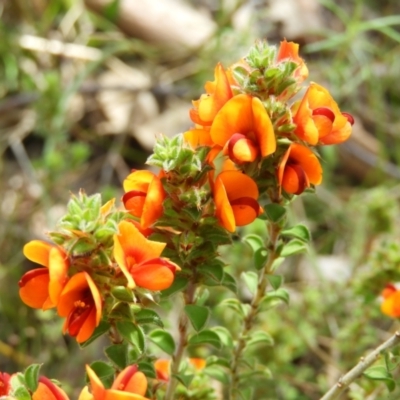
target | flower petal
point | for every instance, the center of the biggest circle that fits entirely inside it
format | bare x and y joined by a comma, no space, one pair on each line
263,128
58,272
156,274
47,390
308,161
153,205
96,386
71,293
138,180
134,244
131,380
34,287
223,209
38,252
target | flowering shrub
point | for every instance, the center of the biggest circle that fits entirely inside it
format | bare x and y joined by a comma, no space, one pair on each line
117,270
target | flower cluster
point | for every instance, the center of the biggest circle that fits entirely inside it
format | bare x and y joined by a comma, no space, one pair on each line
248,115
80,275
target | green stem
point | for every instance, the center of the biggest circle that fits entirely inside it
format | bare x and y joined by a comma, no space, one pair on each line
188,297
274,231
365,362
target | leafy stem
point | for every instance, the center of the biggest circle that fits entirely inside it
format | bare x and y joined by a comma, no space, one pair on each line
274,232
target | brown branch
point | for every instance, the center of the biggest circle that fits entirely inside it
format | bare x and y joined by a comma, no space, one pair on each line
364,363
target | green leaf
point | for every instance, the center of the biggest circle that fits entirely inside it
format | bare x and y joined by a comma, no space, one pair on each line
224,336
380,373
250,278
211,360
218,373
104,371
99,331
147,368
206,337
260,258
198,316
21,393
132,333
293,247
254,241
163,340
234,304
122,293
258,375
186,380
275,212
260,337
275,281
229,282
179,285
213,271
117,354
299,231
273,298
147,316
31,376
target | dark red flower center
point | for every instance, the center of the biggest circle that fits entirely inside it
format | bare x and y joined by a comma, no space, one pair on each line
80,312
325,111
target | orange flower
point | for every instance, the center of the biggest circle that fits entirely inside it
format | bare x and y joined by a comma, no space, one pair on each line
218,93
235,197
391,301
139,259
243,128
47,390
4,383
130,384
290,50
144,197
162,367
319,120
298,169
41,287
80,302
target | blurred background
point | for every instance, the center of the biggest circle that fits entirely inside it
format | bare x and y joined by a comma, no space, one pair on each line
85,87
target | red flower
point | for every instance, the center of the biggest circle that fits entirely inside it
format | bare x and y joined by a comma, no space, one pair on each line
41,287
139,259
218,93
130,384
391,301
47,390
243,128
144,197
319,120
298,169
235,198
4,383
80,302
290,51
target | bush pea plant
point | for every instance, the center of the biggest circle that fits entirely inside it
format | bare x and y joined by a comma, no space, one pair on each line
125,271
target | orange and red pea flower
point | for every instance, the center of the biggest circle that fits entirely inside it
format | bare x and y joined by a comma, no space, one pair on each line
298,169
81,304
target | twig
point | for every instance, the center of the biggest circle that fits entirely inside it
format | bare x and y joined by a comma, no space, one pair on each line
274,230
183,333
365,362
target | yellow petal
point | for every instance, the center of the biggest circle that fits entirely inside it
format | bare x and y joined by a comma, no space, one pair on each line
38,252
